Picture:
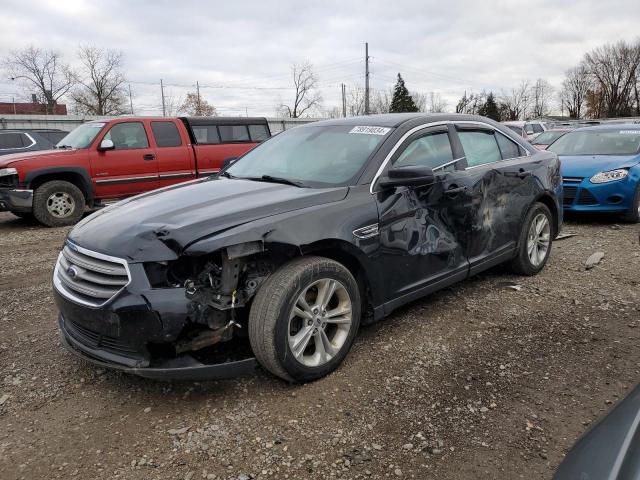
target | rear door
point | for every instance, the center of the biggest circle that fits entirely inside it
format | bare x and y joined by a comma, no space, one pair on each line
499,181
422,229
130,168
173,152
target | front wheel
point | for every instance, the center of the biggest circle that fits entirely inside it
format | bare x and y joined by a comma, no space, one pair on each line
534,244
633,214
304,319
58,203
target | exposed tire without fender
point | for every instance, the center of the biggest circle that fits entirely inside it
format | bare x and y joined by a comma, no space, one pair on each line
58,203
534,243
304,318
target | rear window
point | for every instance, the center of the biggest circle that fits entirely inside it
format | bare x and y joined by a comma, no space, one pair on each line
258,133
234,133
598,142
13,140
206,134
166,134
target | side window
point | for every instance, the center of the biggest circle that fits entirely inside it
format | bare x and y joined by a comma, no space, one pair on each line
166,134
431,150
480,147
258,133
234,133
11,140
206,134
508,148
128,136
537,128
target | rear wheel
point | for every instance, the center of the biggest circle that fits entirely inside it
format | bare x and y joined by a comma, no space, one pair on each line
58,203
633,214
304,319
534,245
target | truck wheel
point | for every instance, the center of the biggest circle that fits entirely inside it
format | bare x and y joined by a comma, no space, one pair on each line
304,318
633,214
534,244
58,203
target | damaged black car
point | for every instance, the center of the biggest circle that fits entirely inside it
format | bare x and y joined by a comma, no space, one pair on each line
281,257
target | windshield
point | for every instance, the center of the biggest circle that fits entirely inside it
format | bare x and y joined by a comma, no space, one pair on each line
312,155
547,138
598,142
82,136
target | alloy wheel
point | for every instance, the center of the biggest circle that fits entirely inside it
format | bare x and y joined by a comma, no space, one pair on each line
539,239
320,322
60,204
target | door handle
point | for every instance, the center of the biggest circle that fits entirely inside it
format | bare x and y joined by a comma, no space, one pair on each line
522,173
149,156
455,190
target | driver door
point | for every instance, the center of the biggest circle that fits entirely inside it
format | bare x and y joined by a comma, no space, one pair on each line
422,229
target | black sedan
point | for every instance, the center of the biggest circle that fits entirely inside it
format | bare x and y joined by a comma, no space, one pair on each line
283,255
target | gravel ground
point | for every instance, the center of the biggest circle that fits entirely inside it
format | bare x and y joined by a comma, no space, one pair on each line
481,380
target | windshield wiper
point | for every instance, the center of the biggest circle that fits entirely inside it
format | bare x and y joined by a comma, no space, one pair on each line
272,179
226,174
64,147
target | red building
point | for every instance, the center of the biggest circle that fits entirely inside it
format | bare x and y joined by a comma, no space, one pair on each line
10,108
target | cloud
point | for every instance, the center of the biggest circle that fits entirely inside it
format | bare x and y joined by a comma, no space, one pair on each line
447,47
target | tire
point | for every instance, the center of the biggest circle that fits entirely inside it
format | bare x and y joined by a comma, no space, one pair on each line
68,209
273,324
24,215
523,264
633,214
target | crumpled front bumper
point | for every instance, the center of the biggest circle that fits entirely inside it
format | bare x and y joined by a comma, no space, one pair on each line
16,200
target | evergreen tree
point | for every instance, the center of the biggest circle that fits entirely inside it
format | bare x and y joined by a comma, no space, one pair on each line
402,101
490,108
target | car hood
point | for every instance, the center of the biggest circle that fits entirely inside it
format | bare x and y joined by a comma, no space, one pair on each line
159,225
588,165
39,155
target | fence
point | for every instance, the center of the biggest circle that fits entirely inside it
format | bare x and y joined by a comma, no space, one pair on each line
69,122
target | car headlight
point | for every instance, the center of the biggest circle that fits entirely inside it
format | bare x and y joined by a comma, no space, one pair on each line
8,171
610,176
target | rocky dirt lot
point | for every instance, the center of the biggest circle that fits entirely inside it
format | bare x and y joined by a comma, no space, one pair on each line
493,378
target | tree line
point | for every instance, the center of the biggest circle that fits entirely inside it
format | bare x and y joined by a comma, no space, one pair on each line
95,84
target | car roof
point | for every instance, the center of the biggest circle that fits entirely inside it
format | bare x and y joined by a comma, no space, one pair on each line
396,119
612,126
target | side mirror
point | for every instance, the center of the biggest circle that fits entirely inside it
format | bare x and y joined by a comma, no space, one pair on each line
106,145
409,176
228,162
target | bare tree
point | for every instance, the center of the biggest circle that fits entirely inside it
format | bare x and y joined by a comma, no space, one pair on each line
470,104
307,96
420,100
517,102
172,103
355,101
100,82
41,72
575,86
614,68
197,106
541,98
436,103
380,101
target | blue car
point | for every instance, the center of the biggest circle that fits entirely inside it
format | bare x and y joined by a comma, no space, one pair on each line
601,169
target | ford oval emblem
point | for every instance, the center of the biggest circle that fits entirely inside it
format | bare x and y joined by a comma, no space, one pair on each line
72,272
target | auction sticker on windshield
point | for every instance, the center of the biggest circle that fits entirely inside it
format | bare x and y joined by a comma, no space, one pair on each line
370,130
629,132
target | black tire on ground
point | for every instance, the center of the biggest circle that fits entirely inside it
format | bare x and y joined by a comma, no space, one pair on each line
633,214
43,195
271,308
522,264
24,215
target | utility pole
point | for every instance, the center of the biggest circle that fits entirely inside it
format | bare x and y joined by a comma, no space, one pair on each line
198,108
366,78
164,110
130,100
344,100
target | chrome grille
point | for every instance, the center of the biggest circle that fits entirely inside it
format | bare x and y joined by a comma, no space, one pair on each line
89,278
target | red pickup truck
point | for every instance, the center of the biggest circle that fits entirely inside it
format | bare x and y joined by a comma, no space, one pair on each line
107,160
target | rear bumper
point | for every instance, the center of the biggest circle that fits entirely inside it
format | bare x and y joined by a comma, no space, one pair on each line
15,200
584,196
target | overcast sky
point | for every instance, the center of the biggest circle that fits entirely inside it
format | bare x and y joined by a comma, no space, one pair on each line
242,51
